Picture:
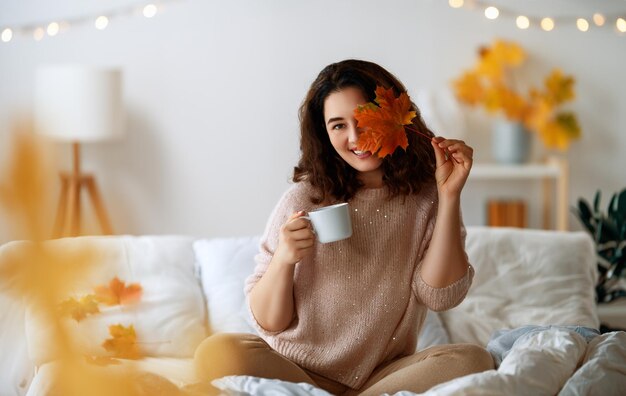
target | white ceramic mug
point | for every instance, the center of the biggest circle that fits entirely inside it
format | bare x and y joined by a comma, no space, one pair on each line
331,223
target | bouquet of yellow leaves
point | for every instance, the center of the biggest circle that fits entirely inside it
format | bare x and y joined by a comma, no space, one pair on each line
486,84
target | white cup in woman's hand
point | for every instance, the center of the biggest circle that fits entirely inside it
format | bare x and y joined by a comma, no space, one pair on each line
331,223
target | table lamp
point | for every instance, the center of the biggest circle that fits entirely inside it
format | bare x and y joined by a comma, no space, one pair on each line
78,104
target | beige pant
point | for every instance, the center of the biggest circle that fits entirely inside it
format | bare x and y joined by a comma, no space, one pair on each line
246,354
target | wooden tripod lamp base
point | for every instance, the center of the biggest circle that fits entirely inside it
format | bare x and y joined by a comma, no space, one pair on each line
68,217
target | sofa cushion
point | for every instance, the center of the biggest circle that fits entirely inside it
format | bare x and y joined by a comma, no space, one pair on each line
223,265
169,318
525,277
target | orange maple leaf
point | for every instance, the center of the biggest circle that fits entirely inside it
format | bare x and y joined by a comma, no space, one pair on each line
383,122
79,309
123,343
117,293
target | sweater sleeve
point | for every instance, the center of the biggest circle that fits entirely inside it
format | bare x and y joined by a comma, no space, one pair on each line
292,200
443,298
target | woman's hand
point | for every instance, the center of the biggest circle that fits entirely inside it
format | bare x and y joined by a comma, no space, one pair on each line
454,160
295,240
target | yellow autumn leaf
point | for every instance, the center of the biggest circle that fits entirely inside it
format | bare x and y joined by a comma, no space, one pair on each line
469,88
494,61
560,88
79,309
123,342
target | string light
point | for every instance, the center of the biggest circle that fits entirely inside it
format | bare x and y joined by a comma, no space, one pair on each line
149,11
38,33
455,3
491,12
522,22
548,24
7,35
100,21
598,19
53,29
582,24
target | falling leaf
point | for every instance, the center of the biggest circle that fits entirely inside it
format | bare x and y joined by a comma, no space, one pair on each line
79,309
123,343
383,122
117,292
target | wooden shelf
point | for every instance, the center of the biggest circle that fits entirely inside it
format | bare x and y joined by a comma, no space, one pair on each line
553,173
525,171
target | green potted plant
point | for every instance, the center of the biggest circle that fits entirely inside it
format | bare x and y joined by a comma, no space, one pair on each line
609,233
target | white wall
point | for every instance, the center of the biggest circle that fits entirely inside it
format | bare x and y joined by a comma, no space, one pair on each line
212,90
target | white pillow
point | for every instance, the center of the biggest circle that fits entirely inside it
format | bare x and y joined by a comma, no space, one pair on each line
223,265
169,317
525,277
433,332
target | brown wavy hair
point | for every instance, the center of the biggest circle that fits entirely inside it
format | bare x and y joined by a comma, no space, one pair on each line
404,172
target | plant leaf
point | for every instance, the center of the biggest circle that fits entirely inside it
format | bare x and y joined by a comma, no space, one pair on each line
123,342
79,309
117,293
596,201
382,123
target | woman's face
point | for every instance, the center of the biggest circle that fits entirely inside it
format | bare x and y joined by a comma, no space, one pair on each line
341,126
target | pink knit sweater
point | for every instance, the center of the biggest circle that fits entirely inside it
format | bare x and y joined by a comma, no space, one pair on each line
361,301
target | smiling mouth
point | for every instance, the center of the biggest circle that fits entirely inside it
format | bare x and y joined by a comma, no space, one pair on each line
361,154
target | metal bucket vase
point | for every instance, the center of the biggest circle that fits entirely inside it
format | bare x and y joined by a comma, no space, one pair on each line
510,142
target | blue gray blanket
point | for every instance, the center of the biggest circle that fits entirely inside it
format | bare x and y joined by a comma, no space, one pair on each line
502,341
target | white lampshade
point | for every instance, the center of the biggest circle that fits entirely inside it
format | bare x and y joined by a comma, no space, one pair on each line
78,103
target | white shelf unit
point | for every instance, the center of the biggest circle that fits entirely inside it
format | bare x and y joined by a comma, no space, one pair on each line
553,173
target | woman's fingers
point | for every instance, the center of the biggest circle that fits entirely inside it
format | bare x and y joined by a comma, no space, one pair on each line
440,155
457,149
298,228
302,234
296,222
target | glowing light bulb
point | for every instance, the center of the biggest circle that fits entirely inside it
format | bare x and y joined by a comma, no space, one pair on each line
149,10
620,24
598,19
522,22
39,33
491,12
7,35
582,24
101,22
455,3
53,29
547,24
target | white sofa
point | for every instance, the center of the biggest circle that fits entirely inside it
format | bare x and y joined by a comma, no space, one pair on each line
193,287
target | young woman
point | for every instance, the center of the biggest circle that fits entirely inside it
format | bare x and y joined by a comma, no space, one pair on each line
345,316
